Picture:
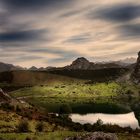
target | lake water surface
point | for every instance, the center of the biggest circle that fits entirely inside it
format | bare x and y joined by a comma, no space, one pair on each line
122,120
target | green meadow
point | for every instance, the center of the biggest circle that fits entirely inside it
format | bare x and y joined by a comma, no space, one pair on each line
80,95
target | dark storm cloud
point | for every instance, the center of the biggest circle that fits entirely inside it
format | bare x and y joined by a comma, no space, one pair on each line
65,55
55,50
65,58
77,39
119,13
16,36
130,31
34,4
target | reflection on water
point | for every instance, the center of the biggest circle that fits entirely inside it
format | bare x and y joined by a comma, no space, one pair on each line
122,120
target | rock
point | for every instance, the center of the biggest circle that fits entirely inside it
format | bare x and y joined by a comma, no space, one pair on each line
4,96
94,136
136,72
83,64
80,63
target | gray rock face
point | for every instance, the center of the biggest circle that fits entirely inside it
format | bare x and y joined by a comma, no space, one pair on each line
136,73
4,96
81,63
95,136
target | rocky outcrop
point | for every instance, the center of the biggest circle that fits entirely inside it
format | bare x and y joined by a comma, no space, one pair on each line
81,63
95,136
136,72
4,96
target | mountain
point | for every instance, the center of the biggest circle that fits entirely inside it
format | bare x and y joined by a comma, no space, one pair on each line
33,68
129,60
83,64
136,72
126,61
80,63
9,67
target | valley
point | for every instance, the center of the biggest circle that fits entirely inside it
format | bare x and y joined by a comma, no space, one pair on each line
43,101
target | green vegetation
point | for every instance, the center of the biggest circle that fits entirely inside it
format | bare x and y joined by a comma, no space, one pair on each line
47,92
58,135
98,97
23,126
70,90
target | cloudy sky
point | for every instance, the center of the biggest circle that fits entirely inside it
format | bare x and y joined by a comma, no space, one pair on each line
55,32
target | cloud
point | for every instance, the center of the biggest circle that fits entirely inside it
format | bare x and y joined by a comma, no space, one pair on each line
81,38
51,32
117,13
16,36
131,31
28,58
62,54
24,5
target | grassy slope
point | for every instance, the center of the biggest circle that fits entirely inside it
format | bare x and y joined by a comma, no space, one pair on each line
74,90
77,95
10,120
33,78
59,135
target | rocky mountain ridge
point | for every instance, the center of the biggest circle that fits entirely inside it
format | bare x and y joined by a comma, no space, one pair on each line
80,63
136,72
9,67
83,64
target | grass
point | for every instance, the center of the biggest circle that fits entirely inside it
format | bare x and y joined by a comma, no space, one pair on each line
70,90
77,95
38,136
10,120
58,135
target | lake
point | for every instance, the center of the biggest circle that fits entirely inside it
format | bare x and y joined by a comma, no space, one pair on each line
122,120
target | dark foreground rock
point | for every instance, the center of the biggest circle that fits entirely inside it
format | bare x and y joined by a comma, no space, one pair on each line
94,136
4,96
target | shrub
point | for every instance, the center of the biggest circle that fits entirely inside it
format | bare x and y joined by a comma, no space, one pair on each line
99,122
28,138
7,107
39,126
18,109
23,126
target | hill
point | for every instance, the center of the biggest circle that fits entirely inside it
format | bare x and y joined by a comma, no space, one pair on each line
97,75
22,77
33,78
9,67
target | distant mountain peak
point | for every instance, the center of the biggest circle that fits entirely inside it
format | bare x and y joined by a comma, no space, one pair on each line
33,68
80,60
80,63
